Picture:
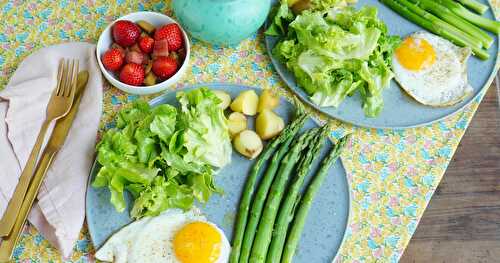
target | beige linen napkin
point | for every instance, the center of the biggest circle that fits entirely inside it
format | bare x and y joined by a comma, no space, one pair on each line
60,210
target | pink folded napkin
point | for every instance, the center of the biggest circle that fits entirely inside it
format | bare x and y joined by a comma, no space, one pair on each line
60,210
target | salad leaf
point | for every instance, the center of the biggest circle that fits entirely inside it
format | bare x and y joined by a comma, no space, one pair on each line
328,4
161,195
164,156
335,53
206,135
281,15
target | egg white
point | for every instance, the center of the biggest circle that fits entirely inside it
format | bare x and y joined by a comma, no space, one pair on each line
444,83
150,239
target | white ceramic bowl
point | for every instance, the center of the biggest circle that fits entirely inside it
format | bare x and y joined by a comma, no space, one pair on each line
156,19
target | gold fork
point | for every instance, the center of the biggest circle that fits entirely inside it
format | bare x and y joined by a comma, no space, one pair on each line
59,105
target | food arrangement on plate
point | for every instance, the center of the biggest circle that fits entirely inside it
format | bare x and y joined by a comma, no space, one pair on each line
336,56
165,157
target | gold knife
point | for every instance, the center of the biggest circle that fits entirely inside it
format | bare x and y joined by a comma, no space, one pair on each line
55,143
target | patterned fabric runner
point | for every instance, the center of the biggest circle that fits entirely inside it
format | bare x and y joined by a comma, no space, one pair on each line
393,173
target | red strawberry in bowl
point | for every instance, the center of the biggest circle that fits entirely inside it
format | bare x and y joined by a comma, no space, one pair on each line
112,59
146,44
132,74
164,67
173,34
126,33
122,50
151,52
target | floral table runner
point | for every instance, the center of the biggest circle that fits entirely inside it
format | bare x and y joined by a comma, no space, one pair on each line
393,173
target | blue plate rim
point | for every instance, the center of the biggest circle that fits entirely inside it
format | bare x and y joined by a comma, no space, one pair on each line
307,101
214,85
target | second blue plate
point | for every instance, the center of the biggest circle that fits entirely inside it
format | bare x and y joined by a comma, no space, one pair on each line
400,110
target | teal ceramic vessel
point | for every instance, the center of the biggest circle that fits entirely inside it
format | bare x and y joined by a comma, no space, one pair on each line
221,22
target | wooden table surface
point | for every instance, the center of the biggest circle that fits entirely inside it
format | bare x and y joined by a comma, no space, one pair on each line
462,221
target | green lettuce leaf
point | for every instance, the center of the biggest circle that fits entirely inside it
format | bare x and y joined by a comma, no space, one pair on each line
161,195
335,53
164,121
280,15
164,156
205,136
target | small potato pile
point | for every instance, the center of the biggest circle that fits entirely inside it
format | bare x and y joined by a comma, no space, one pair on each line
267,124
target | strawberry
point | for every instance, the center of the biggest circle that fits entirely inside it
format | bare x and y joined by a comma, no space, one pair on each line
146,44
132,74
126,33
173,34
135,57
112,59
164,67
161,48
122,50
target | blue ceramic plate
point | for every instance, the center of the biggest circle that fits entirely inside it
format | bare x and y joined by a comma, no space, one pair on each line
400,110
326,223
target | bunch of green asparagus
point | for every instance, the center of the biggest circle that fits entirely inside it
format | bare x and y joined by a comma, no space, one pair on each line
451,20
268,227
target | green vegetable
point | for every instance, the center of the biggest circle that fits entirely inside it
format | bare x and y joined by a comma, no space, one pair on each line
241,222
328,53
490,25
263,189
159,156
299,220
282,16
160,195
448,16
434,25
473,43
474,5
323,5
265,228
287,207
317,5
206,135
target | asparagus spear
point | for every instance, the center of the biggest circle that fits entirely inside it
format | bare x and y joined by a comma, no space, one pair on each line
260,197
474,5
306,202
450,17
458,9
285,214
431,23
438,22
241,221
265,228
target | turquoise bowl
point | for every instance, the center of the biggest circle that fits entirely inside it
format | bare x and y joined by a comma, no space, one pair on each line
221,22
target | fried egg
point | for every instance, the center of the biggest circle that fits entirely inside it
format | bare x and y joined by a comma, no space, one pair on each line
431,69
174,236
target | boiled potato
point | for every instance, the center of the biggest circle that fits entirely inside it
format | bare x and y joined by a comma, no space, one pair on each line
268,124
236,123
246,103
248,143
268,100
224,97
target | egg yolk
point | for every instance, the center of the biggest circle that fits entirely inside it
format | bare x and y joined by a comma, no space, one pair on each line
197,242
415,54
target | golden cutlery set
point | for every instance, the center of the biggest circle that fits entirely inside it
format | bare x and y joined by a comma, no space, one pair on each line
62,108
